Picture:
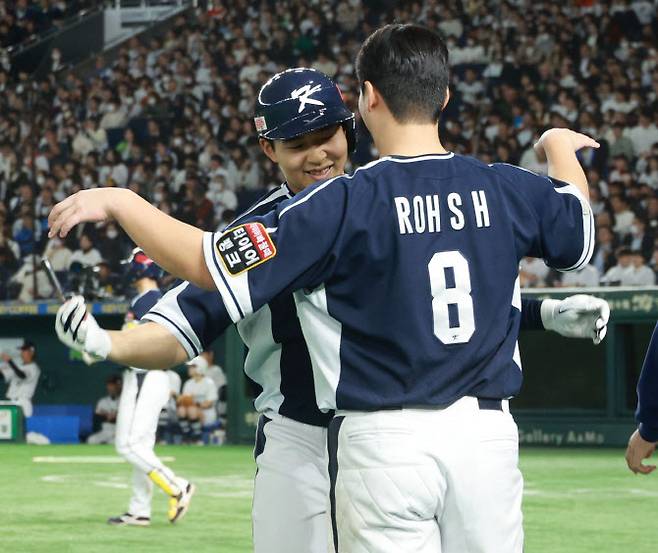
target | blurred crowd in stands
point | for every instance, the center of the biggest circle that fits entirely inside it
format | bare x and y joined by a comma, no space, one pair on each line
22,21
171,119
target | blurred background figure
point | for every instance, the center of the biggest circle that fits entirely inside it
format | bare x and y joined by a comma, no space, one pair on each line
197,403
22,376
106,412
219,378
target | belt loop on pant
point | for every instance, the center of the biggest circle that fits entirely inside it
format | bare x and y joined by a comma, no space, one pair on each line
487,404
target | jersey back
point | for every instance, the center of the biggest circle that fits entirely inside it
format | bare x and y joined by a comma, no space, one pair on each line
405,275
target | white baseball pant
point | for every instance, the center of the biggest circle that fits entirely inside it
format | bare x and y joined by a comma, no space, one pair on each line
143,396
291,488
427,480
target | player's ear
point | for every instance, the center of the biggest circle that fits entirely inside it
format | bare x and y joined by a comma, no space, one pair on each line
445,102
371,96
268,149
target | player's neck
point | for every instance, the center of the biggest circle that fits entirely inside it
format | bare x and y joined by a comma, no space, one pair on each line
408,140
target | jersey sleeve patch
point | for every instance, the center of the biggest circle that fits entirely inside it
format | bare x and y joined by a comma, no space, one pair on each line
245,247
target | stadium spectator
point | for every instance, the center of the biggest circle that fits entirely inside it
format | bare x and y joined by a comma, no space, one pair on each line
533,273
587,276
30,282
182,103
197,402
641,274
630,270
105,413
639,239
216,373
86,255
643,135
58,254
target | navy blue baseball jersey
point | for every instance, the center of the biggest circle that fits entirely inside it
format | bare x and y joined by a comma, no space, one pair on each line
278,361
142,303
139,306
647,392
405,274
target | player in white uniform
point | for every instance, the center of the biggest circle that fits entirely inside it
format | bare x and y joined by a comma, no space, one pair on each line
144,395
22,378
291,438
167,418
107,409
197,402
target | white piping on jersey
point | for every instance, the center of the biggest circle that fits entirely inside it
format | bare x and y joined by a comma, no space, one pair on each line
516,294
141,295
362,168
240,288
588,226
515,167
168,312
516,302
283,190
213,266
588,234
323,335
263,361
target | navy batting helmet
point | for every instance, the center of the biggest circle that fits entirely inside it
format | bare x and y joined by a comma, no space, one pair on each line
299,101
139,266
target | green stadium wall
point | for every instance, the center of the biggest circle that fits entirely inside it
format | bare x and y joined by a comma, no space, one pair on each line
574,393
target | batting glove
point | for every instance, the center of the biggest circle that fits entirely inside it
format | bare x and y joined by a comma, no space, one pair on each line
79,330
578,316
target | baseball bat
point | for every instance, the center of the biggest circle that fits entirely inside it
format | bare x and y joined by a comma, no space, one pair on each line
52,277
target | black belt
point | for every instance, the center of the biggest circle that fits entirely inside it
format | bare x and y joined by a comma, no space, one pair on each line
484,403
488,404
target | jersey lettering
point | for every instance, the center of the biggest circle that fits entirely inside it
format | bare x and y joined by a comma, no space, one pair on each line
423,213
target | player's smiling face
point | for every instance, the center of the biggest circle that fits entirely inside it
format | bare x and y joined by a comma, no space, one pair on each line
309,158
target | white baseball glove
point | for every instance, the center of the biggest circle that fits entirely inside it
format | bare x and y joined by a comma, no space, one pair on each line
579,316
79,330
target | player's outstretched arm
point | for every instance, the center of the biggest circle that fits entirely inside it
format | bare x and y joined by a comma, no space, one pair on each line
560,147
147,346
172,244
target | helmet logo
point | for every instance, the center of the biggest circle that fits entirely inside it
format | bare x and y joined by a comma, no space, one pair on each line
304,94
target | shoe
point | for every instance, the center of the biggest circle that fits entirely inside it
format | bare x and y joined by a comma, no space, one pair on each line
179,505
126,519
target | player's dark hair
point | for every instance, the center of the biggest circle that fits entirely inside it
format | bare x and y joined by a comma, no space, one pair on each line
408,65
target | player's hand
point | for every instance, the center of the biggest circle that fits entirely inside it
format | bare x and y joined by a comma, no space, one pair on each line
79,330
5,357
579,316
639,449
574,140
86,206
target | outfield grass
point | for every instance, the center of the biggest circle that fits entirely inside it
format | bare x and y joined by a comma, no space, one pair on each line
576,501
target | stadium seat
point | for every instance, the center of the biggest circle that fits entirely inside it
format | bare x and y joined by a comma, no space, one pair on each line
84,413
59,429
